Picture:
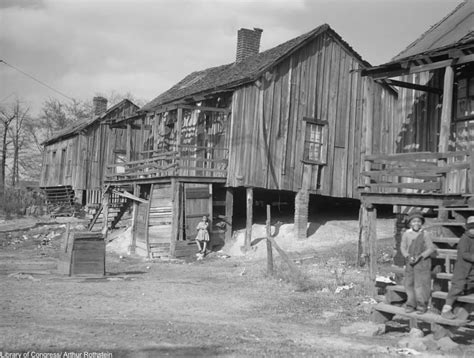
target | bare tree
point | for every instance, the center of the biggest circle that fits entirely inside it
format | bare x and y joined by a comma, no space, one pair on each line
6,118
56,115
18,136
115,97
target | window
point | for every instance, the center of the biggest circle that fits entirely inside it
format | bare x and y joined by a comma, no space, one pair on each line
120,158
465,96
315,141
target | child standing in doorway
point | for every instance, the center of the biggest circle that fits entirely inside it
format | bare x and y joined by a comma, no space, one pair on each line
202,237
417,247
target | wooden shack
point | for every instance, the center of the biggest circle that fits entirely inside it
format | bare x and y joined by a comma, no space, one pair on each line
429,163
75,158
291,119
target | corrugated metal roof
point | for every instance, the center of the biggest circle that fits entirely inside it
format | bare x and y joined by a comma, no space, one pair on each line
229,76
457,26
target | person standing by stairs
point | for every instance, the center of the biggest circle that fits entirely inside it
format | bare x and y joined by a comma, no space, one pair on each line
417,247
463,275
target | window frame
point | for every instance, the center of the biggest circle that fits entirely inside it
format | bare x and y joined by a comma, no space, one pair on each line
323,148
468,76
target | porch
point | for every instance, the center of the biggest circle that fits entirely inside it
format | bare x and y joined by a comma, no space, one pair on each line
418,179
206,164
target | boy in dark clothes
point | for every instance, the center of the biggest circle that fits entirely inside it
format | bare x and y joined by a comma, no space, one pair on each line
416,246
463,276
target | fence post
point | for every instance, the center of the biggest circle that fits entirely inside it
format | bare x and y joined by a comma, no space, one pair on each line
269,244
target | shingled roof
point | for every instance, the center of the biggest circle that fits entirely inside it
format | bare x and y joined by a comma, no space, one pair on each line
80,125
227,77
456,28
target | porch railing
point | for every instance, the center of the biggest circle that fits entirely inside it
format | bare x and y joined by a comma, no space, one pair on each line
419,172
186,161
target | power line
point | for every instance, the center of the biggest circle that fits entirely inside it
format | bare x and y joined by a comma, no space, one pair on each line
37,80
5,98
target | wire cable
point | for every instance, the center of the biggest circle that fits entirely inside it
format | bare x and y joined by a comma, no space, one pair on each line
37,80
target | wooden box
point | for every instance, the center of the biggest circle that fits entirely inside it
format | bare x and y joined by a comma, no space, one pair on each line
88,254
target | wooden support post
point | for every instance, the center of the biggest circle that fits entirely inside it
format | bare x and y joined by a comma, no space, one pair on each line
147,223
301,213
133,243
65,253
445,124
398,258
295,272
175,220
446,111
372,248
248,227
302,203
471,169
369,123
210,219
361,252
269,243
179,126
105,213
229,212
128,144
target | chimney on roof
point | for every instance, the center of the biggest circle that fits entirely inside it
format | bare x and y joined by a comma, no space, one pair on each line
99,105
248,43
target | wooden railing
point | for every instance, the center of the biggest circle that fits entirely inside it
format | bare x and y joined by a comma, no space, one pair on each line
187,160
419,172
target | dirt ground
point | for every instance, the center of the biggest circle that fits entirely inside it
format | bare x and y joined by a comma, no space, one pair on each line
222,306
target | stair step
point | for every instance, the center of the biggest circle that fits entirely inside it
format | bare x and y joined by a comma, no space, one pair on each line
427,317
396,288
444,276
446,240
435,294
446,253
446,223
459,208
442,295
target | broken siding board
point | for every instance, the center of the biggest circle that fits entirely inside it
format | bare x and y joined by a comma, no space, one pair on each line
343,122
332,112
295,91
287,120
328,58
359,135
274,139
341,119
284,117
303,111
268,112
349,130
312,105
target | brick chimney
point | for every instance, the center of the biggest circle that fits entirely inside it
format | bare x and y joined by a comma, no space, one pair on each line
99,105
248,43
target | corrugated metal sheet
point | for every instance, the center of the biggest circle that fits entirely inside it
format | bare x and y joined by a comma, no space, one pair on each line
457,26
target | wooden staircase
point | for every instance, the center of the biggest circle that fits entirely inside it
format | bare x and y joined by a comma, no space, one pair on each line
116,212
448,230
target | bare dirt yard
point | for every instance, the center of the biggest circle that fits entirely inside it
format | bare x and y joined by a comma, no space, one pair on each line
224,305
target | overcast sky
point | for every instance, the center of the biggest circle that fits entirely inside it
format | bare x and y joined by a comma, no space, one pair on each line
87,47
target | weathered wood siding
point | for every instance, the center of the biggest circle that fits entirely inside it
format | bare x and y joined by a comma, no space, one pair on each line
321,81
160,216
81,159
418,126
419,113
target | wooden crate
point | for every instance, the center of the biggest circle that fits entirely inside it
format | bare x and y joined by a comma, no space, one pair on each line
88,254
